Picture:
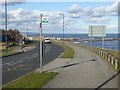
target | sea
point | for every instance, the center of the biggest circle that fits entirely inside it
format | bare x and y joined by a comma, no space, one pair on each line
112,45
72,35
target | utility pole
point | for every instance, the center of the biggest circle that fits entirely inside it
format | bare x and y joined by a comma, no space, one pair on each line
40,43
63,27
6,24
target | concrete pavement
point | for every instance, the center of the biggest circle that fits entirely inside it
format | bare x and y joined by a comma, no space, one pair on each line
85,70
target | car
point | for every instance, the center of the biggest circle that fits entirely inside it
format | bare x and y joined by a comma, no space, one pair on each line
47,40
77,42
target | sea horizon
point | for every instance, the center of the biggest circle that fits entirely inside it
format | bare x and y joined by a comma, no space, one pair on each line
71,35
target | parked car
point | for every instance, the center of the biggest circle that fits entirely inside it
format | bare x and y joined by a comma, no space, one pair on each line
47,40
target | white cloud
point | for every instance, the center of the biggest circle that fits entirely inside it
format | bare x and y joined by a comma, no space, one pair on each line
96,20
88,10
74,8
112,10
112,27
17,18
101,20
99,11
75,11
12,2
76,15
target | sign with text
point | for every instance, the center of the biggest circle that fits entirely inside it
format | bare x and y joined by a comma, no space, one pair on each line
44,19
97,31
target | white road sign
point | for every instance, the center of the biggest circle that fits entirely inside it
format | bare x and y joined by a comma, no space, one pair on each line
44,19
97,31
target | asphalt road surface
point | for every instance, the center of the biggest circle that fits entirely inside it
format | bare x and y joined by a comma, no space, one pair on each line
17,65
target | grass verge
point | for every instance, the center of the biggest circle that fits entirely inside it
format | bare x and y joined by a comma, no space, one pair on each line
9,54
32,81
68,51
115,53
10,50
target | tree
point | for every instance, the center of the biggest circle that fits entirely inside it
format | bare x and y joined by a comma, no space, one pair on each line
14,34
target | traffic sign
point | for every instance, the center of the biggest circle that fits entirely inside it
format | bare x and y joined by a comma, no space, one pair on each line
44,19
97,31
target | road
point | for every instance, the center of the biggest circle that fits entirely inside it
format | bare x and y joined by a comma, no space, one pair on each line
85,70
15,66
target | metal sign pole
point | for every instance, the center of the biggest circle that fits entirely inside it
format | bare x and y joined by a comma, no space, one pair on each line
40,43
91,35
103,42
63,28
103,39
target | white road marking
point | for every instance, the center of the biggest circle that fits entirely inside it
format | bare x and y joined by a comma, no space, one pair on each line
25,58
7,63
36,54
17,62
48,48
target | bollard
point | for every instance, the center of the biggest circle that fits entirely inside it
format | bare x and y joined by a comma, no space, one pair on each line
112,60
116,64
105,55
109,58
101,52
98,51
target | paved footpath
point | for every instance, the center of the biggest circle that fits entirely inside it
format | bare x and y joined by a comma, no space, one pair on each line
85,70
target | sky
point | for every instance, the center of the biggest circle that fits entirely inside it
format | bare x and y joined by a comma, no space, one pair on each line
78,16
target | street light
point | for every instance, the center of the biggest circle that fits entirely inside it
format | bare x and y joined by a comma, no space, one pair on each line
63,27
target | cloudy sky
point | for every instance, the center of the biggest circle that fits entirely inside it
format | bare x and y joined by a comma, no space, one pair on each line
78,16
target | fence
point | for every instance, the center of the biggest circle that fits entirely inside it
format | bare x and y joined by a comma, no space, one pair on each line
107,56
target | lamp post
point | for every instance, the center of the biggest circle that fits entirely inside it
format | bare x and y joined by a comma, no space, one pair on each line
63,27
6,24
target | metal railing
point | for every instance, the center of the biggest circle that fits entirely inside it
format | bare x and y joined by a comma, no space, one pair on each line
107,56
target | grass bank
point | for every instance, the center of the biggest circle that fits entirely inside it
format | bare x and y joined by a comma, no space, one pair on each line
113,52
68,51
34,81
9,54
10,50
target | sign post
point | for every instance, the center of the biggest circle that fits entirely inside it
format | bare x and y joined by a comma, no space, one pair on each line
91,36
103,37
40,43
97,31
42,20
